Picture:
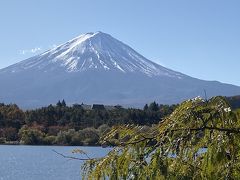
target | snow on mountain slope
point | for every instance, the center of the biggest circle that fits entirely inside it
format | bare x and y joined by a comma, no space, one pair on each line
89,51
97,68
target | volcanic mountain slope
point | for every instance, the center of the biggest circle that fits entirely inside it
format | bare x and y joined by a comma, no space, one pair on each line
97,68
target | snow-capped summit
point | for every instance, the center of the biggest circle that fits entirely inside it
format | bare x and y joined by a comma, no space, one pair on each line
97,68
90,51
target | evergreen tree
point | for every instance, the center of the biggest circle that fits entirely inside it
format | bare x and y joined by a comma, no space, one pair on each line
63,103
59,104
153,106
145,108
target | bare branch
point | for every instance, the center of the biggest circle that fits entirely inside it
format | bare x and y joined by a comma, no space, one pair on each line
72,157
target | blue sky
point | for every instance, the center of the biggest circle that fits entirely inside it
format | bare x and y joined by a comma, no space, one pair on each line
200,38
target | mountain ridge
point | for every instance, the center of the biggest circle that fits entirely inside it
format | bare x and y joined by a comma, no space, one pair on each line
97,68
92,47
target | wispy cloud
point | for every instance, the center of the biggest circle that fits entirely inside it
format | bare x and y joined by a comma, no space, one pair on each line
36,49
30,51
53,46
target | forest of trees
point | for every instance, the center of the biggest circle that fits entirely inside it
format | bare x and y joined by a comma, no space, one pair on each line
71,125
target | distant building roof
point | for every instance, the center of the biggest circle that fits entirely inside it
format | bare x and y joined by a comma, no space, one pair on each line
110,107
98,106
86,107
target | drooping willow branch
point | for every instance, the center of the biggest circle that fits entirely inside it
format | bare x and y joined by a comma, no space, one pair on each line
143,138
232,130
72,157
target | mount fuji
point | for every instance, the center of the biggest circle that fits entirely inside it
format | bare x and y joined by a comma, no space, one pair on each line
97,68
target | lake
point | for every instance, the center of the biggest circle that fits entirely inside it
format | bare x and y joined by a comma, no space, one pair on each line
41,163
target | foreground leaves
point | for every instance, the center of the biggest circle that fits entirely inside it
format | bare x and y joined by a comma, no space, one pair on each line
199,140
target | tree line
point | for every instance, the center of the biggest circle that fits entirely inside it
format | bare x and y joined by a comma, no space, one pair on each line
71,125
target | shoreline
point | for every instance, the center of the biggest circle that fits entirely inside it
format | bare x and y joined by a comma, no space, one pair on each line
19,144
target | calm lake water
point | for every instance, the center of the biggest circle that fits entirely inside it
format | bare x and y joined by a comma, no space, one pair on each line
41,163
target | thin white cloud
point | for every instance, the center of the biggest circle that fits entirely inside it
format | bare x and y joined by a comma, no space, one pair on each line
53,46
30,51
35,50
21,52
